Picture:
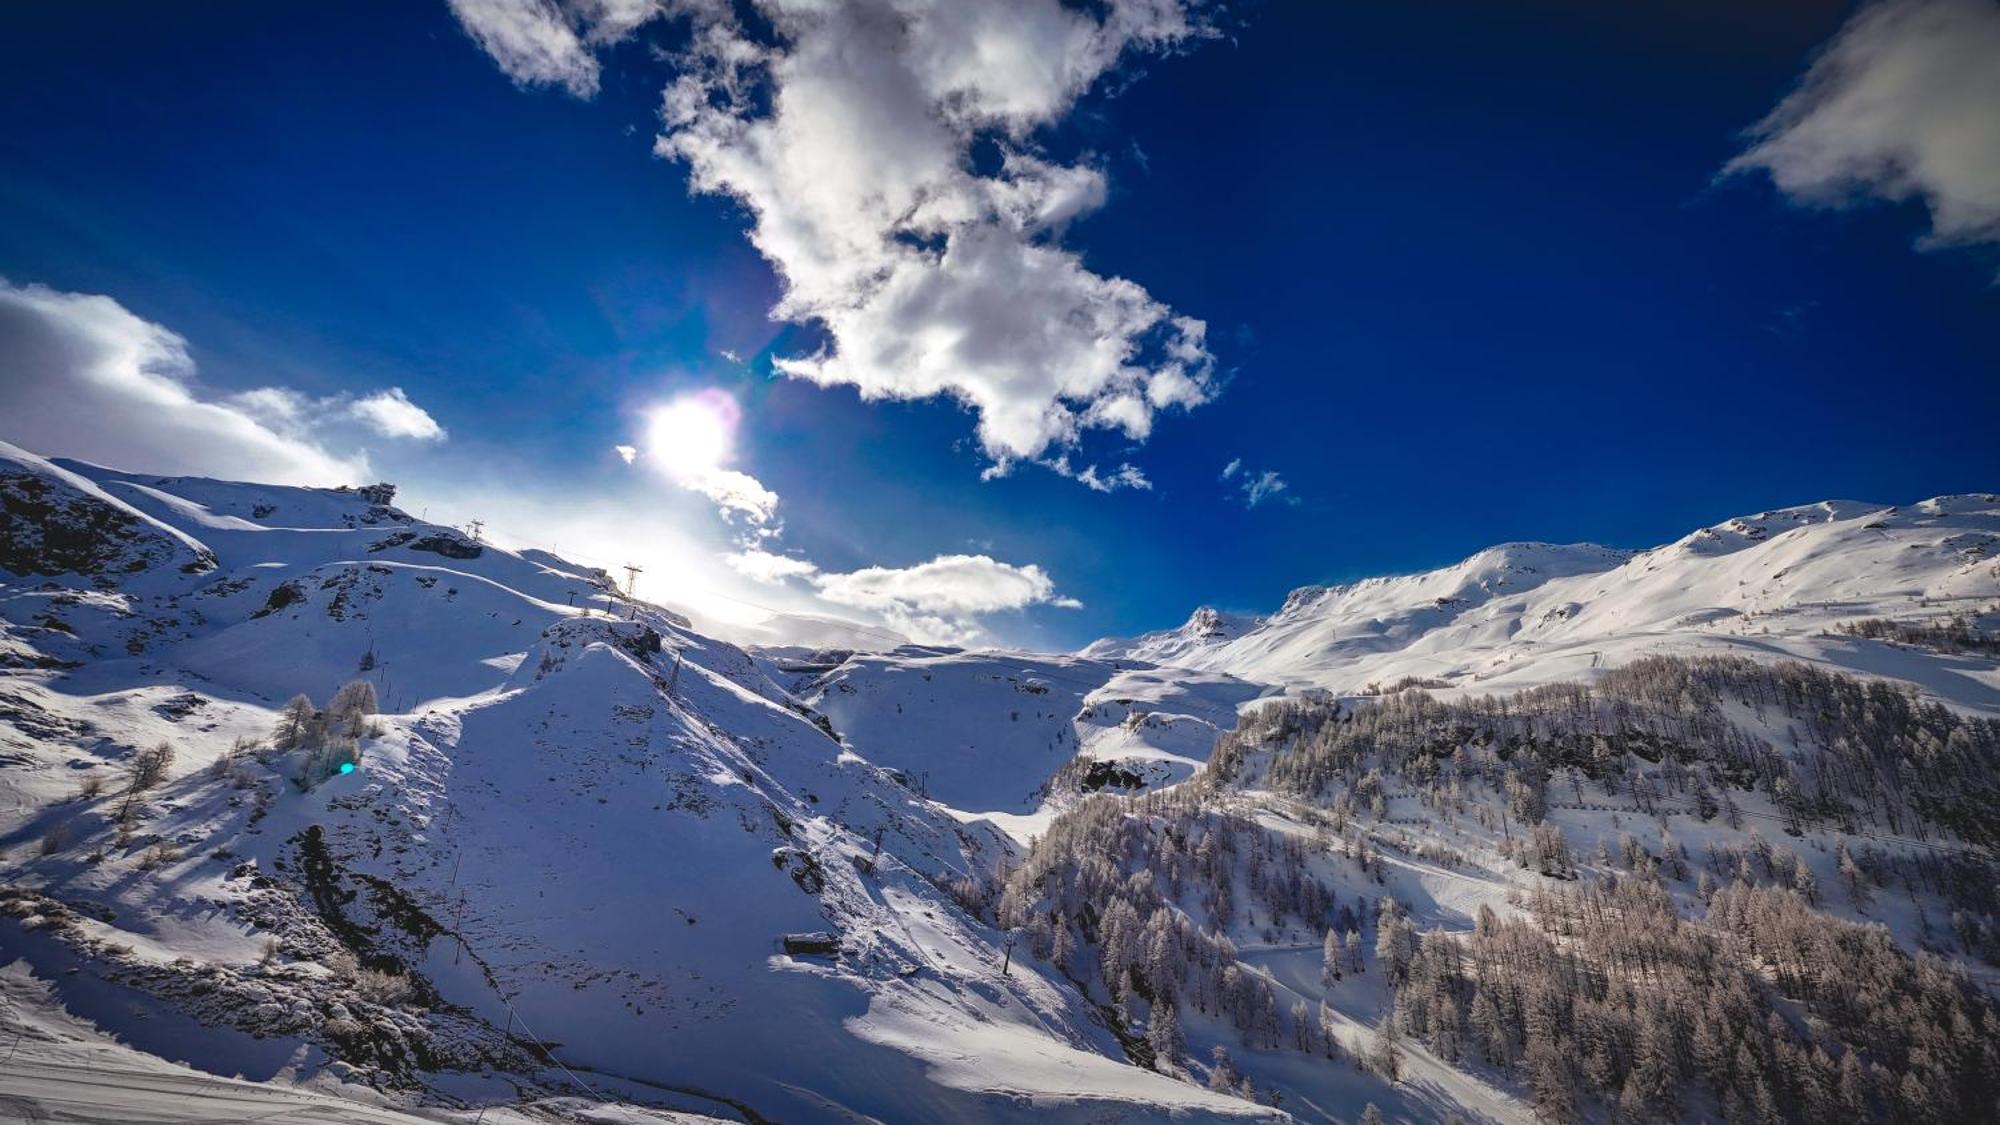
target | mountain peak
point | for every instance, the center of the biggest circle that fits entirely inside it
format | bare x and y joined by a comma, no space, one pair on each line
1208,623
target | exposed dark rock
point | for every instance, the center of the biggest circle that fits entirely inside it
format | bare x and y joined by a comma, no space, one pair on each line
46,528
283,595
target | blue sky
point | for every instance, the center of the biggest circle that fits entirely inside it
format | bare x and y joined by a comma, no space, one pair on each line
1467,275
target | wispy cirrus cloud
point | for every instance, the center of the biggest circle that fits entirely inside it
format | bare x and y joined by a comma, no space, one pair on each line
1126,475
1903,103
767,567
532,41
390,413
846,129
1256,487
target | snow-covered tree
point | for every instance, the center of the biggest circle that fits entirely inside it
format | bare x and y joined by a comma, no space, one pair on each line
350,708
1329,1031
1385,1054
1222,1073
294,720
1164,1035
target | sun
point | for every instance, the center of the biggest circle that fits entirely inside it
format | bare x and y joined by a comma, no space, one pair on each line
692,435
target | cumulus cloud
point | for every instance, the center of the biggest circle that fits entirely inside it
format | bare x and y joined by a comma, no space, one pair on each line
533,41
1903,103
82,376
1256,487
942,600
847,128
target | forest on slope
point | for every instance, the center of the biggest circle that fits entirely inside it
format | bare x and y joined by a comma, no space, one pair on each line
1684,965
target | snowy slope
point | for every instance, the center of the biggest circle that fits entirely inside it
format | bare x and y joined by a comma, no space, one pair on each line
1206,628
580,829
1012,737
576,836
1524,613
60,1068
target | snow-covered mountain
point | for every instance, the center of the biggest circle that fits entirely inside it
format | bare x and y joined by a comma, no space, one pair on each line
1205,629
578,859
1524,613
574,840
1013,738
1764,753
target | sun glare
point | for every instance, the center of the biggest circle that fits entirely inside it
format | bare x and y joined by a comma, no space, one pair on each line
692,435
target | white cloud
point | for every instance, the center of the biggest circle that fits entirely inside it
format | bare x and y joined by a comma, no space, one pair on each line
942,600
81,376
388,413
1263,487
765,567
533,42
689,438
392,414
1256,487
848,133
1904,103
688,441
735,495
1126,475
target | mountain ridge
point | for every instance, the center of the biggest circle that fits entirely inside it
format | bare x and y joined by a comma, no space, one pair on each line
530,844
1501,601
